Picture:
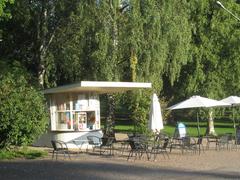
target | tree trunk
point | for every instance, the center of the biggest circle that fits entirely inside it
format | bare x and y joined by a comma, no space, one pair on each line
41,42
44,38
210,128
110,121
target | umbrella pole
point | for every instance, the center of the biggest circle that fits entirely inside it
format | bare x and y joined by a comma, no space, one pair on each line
198,127
234,124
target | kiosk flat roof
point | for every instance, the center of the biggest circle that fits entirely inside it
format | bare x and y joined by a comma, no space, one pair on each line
100,87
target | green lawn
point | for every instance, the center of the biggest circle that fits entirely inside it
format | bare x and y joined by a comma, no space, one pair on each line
221,127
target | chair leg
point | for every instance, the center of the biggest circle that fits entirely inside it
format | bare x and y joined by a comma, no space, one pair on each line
166,153
163,151
64,154
202,148
155,154
152,153
53,154
171,148
147,155
141,154
122,148
207,146
56,154
136,154
111,150
68,155
130,153
87,148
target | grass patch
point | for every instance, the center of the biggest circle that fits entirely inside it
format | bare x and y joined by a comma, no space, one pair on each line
221,127
124,128
25,153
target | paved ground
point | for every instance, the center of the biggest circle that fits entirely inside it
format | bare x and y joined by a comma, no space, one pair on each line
209,165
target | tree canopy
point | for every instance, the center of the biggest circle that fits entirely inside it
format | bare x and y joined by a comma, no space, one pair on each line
4,11
183,47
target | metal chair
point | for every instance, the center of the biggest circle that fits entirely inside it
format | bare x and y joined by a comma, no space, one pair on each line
189,144
139,146
225,141
94,141
160,145
200,144
107,144
59,147
210,140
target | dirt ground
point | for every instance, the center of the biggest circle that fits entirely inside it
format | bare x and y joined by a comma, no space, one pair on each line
211,164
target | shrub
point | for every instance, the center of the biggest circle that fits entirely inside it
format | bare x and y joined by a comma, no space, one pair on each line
140,110
23,115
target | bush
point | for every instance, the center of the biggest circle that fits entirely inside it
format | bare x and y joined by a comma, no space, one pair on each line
23,115
140,110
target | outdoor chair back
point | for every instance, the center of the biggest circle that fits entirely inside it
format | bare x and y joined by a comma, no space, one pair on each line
94,141
189,144
107,144
225,141
139,146
161,142
212,140
59,147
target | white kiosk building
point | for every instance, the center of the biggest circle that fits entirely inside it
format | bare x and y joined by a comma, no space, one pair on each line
75,110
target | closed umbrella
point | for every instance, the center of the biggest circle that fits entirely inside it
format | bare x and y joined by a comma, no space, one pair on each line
155,117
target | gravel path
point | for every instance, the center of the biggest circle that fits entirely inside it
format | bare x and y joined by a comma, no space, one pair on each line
209,165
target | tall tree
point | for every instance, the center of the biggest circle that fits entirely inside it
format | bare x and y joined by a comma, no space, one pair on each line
156,40
29,34
90,42
210,73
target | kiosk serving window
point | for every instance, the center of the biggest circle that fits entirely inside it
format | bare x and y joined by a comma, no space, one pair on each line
75,112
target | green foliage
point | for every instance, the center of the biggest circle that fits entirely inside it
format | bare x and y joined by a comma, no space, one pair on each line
89,42
213,69
140,110
183,47
4,13
23,115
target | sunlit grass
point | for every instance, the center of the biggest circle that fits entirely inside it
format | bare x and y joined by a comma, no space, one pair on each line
22,153
221,127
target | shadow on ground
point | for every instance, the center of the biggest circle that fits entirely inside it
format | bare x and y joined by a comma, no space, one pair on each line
47,169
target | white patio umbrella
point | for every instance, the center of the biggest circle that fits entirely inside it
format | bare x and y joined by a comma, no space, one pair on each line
198,102
233,101
155,116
